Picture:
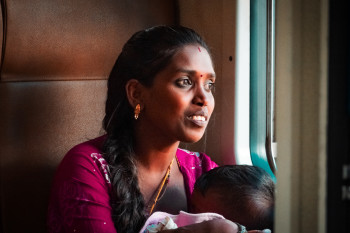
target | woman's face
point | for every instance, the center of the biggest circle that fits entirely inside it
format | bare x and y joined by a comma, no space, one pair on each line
180,102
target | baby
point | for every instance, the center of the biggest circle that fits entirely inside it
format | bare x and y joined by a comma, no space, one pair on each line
240,193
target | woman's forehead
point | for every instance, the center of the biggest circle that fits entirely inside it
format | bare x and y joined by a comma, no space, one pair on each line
193,58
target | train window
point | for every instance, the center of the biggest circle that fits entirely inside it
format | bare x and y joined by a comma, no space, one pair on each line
255,85
241,139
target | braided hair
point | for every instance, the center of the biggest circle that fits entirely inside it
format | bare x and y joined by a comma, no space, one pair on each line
145,54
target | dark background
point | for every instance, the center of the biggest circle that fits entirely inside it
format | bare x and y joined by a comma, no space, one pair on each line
338,210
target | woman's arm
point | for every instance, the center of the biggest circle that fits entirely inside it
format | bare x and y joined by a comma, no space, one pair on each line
211,226
80,196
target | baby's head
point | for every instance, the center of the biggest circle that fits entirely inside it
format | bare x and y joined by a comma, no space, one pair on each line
241,193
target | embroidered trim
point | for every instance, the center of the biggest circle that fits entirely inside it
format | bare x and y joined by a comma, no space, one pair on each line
102,165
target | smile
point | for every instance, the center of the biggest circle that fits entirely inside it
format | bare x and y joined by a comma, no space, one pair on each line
197,118
200,120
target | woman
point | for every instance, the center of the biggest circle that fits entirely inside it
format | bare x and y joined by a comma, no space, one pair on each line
159,93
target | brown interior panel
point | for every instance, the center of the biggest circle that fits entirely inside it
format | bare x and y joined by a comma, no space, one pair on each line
70,40
40,121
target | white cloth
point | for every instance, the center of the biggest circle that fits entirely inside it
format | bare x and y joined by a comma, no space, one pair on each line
162,221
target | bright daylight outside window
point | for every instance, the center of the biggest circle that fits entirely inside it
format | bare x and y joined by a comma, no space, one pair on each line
255,84
262,84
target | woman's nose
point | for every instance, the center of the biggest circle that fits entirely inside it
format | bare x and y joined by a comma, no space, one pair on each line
200,97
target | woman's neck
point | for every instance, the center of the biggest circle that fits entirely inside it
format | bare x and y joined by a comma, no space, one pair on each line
153,151
153,158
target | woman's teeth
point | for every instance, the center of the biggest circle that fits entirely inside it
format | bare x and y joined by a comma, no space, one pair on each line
198,118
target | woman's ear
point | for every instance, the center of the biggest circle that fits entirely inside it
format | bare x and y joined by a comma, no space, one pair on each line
134,92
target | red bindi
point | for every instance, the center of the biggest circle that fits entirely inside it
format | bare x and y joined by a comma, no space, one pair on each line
199,49
201,75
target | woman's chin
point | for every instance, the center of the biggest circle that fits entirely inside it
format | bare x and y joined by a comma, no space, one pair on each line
192,138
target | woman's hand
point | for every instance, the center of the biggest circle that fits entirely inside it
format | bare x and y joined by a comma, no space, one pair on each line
257,231
211,226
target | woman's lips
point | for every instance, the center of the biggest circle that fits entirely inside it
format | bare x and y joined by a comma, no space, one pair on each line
199,118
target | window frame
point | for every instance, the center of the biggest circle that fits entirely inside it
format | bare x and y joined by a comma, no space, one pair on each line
255,85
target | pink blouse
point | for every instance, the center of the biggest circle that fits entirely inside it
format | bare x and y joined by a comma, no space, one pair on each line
80,196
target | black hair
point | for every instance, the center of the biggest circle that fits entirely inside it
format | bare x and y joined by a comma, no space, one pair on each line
144,55
248,192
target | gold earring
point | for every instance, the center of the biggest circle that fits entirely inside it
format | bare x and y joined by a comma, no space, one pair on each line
137,111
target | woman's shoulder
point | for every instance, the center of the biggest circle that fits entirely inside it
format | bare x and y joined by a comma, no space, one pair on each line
192,165
86,156
80,190
88,150
91,146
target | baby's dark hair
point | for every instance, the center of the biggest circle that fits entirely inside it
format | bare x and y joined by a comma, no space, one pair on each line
248,192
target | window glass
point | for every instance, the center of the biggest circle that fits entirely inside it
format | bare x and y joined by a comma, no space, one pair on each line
262,84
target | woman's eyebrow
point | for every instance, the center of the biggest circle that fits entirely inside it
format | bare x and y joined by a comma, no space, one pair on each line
193,72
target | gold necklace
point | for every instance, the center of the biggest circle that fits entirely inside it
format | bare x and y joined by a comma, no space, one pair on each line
166,177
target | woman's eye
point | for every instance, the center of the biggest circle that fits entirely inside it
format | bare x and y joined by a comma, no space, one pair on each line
183,82
209,86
